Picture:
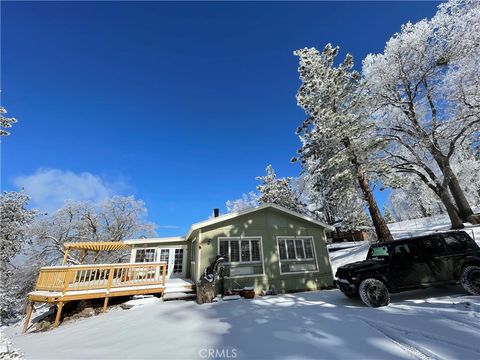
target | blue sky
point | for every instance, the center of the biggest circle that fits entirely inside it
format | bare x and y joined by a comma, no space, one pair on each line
181,104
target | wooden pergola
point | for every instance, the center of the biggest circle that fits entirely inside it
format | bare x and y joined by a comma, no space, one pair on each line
93,246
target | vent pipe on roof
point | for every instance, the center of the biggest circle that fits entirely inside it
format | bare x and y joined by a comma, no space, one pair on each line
216,213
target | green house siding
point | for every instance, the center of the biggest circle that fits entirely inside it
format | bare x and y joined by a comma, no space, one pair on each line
268,224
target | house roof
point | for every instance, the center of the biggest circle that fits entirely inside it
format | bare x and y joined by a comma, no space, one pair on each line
225,217
155,240
229,216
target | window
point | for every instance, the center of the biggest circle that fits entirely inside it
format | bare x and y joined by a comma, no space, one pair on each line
458,242
433,246
402,253
145,255
296,254
295,249
236,250
378,253
243,255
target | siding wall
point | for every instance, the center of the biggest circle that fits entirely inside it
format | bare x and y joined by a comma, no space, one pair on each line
269,223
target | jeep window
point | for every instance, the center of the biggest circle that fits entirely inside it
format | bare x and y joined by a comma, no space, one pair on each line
433,246
378,253
458,242
402,253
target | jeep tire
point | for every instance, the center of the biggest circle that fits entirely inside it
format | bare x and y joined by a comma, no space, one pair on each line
374,293
470,279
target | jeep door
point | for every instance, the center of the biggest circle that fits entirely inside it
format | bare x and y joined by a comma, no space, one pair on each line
408,267
438,257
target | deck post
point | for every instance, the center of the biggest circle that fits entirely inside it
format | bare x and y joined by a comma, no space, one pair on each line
59,313
65,256
105,304
29,314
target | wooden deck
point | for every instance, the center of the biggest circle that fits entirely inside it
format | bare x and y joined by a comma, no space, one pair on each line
60,284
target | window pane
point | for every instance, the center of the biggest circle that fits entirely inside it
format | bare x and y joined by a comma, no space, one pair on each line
245,250
458,242
290,249
145,255
433,246
281,249
402,253
308,248
234,251
224,249
255,250
299,248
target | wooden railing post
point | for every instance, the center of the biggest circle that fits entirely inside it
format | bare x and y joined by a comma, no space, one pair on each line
164,273
66,282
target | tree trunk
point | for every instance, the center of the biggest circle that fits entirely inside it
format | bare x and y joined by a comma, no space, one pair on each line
381,228
452,211
465,211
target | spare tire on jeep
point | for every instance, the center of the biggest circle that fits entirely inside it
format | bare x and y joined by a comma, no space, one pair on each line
374,293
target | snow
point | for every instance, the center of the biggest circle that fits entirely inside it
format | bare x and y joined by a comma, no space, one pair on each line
435,323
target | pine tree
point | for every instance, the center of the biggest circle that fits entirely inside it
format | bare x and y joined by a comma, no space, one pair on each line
336,137
277,191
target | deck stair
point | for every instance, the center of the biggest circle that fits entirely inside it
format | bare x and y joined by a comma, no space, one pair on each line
179,289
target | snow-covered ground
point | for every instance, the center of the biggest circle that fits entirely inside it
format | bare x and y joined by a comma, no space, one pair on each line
440,323
428,324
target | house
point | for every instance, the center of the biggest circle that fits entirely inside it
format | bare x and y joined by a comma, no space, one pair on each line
263,246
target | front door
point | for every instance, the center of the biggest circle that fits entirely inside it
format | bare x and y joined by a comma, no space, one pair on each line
175,257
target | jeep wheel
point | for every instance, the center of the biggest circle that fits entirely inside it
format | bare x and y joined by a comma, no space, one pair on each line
470,279
374,293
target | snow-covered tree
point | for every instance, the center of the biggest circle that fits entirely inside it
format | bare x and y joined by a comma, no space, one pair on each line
14,219
5,122
248,200
278,191
114,219
424,89
337,140
332,199
388,214
414,200
467,168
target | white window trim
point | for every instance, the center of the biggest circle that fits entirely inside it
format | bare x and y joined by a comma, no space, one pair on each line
134,254
237,263
290,260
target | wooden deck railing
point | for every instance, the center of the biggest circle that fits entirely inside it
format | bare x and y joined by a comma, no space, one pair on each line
73,281
107,276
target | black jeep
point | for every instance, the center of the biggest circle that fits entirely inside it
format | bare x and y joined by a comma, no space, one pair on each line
413,263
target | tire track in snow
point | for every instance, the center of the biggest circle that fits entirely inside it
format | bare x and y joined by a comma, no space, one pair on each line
415,351
380,325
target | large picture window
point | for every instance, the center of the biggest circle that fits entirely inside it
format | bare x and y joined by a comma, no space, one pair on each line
296,254
243,255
